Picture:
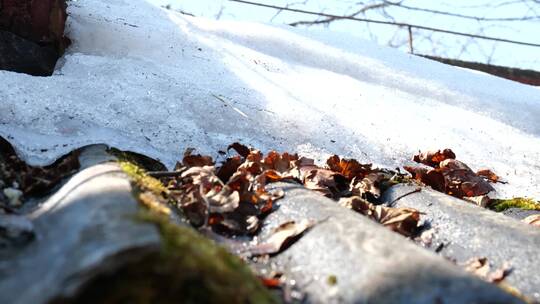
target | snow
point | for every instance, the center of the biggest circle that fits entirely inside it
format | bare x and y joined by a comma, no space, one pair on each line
141,78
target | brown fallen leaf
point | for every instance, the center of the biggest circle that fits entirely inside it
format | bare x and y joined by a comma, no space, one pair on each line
433,158
203,176
196,160
489,175
401,220
252,163
433,178
201,193
232,197
224,200
449,175
233,200
191,204
249,188
325,181
532,220
228,168
281,237
271,282
350,168
240,149
482,200
280,162
462,181
271,176
369,187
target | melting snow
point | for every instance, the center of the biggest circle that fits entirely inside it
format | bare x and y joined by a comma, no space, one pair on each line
145,79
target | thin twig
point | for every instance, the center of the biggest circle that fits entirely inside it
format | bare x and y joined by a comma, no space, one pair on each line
159,174
392,203
525,18
401,24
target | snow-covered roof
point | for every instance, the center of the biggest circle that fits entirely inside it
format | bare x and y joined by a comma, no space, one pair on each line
153,81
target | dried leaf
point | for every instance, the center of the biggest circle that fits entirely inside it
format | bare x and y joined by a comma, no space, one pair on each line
226,200
270,176
281,237
197,160
451,176
489,175
401,220
350,168
192,206
270,198
280,162
202,192
271,282
369,187
240,149
433,178
242,182
325,181
532,220
433,158
462,181
253,163
482,200
319,181
228,168
203,176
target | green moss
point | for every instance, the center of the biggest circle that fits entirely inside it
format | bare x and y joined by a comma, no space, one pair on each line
139,160
141,179
188,268
517,202
219,277
331,280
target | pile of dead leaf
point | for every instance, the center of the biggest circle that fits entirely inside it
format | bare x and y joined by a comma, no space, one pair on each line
231,197
446,174
18,179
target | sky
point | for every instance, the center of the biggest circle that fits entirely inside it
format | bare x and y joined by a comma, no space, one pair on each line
424,42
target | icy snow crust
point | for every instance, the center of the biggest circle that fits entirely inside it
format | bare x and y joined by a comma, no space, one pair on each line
149,80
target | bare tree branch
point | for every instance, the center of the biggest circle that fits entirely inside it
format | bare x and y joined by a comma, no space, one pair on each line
279,11
412,8
334,18
425,36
